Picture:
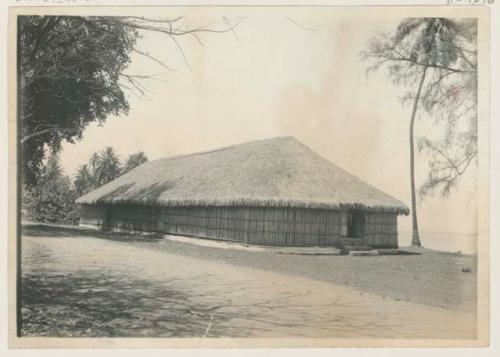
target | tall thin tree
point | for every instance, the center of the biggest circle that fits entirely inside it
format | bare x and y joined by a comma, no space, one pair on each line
418,46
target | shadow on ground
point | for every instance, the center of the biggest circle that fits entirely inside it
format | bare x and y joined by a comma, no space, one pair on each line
100,305
44,230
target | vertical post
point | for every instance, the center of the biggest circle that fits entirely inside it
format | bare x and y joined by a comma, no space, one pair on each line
18,184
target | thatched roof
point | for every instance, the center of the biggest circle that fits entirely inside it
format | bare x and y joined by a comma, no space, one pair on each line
273,172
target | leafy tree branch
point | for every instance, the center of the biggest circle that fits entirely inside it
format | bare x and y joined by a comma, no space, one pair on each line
72,73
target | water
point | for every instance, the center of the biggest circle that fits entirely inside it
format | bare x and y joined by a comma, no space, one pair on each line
466,243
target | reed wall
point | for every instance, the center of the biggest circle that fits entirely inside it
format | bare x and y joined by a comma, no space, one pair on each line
264,226
381,229
92,216
252,225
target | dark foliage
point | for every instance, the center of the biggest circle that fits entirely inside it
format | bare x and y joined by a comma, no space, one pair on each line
52,200
70,68
102,168
134,160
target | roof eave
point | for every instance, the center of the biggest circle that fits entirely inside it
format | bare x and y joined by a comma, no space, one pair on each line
400,210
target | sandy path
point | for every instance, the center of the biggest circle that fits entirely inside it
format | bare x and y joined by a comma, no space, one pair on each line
82,286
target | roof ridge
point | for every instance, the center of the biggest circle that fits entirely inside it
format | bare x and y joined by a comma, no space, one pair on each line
226,147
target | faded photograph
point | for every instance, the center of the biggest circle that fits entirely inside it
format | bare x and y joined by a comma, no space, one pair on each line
248,173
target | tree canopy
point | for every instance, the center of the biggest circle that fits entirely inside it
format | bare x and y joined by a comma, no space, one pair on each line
52,200
70,69
71,73
103,167
133,161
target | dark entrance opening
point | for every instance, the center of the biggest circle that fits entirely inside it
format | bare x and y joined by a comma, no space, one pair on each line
108,217
355,223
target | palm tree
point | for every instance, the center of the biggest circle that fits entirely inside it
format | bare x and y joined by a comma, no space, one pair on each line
423,51
84,180
93,163
432,47
52,169
134,160
108,167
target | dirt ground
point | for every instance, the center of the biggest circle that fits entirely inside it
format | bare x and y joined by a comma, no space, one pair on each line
88,284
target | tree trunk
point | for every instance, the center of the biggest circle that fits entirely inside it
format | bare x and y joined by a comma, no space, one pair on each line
415,238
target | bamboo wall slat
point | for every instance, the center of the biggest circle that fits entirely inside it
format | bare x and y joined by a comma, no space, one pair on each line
93,215
269,226
380,229
252,225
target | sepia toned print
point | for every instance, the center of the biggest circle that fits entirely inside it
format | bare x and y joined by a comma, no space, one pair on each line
249,176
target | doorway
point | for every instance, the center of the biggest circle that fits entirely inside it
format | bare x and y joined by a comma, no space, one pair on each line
355,223
108,218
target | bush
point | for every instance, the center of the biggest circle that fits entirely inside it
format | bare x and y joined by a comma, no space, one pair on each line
52,200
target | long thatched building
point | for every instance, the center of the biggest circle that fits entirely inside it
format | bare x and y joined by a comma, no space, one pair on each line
268,192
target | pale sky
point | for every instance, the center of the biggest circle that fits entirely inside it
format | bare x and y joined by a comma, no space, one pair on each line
271,78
